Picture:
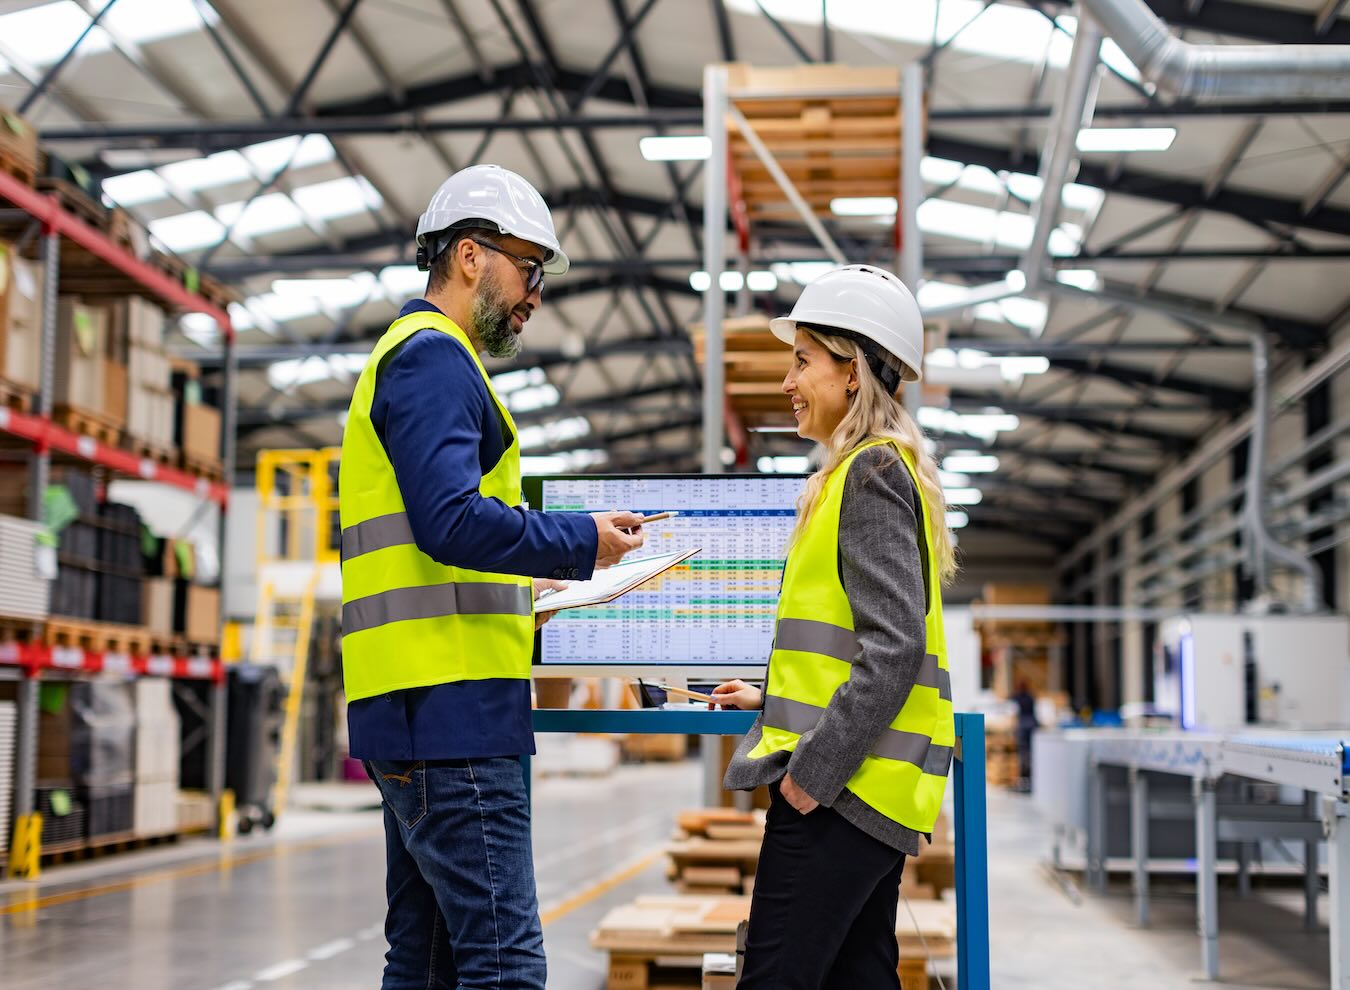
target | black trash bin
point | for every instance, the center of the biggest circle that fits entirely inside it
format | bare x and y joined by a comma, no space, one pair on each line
256,705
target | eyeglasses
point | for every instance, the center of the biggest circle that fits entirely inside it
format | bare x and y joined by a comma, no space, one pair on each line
533,269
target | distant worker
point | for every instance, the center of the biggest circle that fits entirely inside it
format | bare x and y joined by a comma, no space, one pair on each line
1026,728
856,733
437,600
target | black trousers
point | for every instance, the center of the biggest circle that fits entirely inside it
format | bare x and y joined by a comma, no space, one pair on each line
823,912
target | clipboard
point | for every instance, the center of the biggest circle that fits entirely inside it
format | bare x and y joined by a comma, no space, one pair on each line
611,582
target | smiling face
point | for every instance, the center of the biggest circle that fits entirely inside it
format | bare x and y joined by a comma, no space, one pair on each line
819,385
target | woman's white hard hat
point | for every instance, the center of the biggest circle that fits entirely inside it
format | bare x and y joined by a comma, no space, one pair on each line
863,300
495,198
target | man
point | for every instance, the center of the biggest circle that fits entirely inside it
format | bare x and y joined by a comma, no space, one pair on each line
437,560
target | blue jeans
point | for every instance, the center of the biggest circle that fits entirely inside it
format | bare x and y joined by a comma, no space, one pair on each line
463,912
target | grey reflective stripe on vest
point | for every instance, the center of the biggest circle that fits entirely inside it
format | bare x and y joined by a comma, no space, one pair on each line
810,636
934,676
894,744
434,601
827,639
392,530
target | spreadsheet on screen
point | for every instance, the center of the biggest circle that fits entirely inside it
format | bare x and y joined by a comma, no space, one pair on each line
717,607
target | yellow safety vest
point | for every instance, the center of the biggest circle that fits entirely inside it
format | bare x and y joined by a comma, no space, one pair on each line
408,621
905,774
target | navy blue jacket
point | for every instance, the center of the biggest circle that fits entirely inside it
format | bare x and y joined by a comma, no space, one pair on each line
442,433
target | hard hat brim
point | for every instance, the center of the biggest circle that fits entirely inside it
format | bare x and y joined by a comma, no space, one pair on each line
785,329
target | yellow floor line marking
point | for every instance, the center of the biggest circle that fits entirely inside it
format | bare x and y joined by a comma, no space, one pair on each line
23,901
600,889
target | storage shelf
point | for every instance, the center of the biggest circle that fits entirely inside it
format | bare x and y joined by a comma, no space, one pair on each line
43,433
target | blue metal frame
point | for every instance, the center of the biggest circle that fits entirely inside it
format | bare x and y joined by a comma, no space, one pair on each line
972,851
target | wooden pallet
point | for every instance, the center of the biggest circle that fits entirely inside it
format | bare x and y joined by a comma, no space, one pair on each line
15,396
89,423
211,469
24,171
835,131
160,454
75,200
105,845
99,637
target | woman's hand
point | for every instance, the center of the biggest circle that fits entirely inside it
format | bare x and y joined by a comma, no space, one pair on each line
545,584
795,796
737,694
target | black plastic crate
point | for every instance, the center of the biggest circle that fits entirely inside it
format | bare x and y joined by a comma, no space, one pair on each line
119,599
59,829
109,809
74,593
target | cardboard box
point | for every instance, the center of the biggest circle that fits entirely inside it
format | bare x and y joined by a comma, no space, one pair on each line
145,324
201,432
21,284
115,392
149,368
203,614
81,335
18,140
157,606
1016,594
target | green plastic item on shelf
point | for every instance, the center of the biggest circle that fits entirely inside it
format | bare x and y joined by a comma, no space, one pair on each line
58,508
182,551
192,392
192,280
60,803
149,541
52,697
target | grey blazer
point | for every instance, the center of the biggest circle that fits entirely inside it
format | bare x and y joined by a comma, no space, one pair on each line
882,563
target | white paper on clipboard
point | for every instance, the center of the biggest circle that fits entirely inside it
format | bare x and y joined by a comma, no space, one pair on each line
610,583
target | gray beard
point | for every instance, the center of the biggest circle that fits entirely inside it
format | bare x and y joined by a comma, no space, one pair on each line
491,319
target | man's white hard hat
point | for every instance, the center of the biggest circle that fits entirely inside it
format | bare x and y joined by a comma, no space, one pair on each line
863,301
495,198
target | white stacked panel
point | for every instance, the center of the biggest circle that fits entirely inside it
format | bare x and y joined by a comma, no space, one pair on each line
8,740
158,743
23,592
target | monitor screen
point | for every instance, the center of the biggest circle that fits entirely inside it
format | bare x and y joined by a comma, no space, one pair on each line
711,615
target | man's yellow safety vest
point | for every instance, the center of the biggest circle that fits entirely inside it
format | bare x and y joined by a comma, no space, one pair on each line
408,621
905,774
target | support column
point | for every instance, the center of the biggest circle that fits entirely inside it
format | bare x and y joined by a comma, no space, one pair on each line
1139,842
1206,876
714,261
1338,867
1311,879
1096,850
910,262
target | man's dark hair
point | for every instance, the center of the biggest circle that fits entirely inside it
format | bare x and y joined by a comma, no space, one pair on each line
439,275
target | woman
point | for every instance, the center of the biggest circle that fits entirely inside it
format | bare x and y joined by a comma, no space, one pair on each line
856,732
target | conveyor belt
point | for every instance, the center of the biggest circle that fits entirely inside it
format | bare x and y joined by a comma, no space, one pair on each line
1314,762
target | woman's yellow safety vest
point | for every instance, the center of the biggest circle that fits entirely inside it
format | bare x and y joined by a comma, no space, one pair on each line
408,621
905,774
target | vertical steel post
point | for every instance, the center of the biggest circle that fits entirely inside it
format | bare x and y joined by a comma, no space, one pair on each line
1096,837
910,262
1139,842
1207,876
972,855
215,742
1338,877
714,261
1311,884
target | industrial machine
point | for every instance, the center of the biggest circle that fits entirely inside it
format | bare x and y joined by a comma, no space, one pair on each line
1218,672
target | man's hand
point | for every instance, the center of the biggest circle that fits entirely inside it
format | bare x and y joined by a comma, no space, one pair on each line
545,584
798,798
618,532
738,694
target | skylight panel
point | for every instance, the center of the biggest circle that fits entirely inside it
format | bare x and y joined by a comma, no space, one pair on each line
306,371
565,463
312,149
265,215
144,21
403,281
555,431
196,174
187,231
135,188
43,34
339,293
337,198
282,308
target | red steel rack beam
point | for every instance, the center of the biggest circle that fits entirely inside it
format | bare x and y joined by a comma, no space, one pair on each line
47,210
44,434
35,657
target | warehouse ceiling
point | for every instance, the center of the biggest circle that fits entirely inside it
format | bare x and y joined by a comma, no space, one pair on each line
289,148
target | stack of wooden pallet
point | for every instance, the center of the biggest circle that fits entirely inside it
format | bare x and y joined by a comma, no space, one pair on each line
716,851
659,942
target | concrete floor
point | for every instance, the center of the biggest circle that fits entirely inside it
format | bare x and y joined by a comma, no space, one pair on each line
302,908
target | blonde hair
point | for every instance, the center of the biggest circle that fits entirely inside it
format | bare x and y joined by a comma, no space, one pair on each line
875,414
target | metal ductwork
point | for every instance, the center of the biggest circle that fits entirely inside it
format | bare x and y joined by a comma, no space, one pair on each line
1216,72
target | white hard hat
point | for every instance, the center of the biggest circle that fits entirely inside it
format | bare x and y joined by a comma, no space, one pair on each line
862,301
496,198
